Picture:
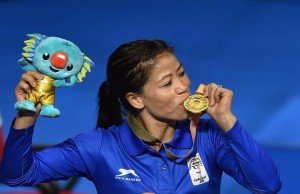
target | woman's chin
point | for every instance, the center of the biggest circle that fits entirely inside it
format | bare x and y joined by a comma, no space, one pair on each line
184,116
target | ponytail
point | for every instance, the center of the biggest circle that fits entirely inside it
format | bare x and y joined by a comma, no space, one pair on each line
109,110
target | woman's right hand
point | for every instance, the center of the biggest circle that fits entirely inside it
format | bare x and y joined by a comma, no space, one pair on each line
28,80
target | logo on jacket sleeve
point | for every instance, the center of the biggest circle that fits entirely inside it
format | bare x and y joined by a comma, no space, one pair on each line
127,175
197,170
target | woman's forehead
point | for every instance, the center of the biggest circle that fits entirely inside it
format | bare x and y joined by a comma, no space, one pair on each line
166,61
166,65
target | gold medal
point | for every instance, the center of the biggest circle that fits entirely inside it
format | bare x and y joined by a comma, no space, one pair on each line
196,103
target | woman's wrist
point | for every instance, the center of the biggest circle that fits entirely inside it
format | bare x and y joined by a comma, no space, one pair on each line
24,120
226,121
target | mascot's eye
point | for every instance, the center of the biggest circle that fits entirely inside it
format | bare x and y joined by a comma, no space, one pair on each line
46,56
70,67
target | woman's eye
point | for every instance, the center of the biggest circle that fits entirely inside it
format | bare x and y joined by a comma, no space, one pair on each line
181,74
167,84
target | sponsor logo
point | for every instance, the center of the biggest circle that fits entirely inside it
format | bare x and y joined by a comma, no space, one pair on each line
127,175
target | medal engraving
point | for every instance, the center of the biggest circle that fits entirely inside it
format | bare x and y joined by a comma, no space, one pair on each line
196,103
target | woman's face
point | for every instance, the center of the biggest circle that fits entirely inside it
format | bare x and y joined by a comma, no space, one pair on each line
167,88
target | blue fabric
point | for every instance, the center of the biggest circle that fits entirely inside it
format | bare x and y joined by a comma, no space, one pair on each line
104,157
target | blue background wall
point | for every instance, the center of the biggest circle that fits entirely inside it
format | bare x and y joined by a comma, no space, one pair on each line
250,46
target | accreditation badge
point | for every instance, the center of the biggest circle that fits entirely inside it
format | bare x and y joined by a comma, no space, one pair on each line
197,170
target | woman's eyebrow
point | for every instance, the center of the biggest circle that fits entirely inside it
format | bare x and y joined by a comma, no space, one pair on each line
180,66
167,75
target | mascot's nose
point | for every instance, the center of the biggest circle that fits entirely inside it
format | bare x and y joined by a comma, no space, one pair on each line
59,59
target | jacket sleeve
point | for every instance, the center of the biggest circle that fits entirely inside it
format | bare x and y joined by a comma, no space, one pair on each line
240,156
21,166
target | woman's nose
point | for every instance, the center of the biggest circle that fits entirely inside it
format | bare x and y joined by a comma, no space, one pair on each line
182,86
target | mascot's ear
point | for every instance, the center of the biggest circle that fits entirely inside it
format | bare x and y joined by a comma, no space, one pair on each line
86,67
23,62
26,65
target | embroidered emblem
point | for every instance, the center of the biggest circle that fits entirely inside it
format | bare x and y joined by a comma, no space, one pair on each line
197,170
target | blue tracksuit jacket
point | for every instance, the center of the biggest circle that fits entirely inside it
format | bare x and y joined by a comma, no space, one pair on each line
116,161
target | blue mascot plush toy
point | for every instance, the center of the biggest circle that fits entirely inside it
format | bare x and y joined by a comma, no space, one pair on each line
62,64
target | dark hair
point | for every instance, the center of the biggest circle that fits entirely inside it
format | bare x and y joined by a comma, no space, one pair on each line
128,70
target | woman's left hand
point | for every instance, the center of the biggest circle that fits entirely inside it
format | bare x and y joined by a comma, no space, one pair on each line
220,101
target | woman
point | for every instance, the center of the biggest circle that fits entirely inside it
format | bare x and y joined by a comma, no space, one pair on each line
146,83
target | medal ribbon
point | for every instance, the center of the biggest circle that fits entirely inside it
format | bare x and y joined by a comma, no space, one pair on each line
144,135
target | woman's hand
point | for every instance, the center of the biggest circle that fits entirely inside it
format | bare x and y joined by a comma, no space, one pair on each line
28,80
220,101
